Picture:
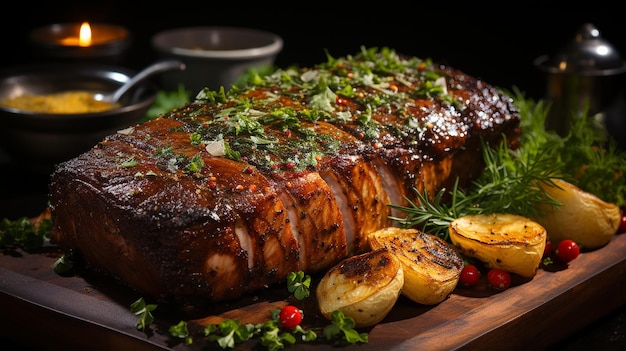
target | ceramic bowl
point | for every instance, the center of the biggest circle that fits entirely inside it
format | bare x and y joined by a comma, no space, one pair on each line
214,56
37,140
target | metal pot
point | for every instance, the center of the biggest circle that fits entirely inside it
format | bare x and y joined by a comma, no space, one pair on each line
36,141
584,77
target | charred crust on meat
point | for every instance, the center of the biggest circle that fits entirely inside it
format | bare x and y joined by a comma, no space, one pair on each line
274,176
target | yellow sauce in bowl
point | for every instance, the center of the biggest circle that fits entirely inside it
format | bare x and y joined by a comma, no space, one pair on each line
69,102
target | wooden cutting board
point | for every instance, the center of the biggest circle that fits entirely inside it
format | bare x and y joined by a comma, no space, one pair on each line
43,309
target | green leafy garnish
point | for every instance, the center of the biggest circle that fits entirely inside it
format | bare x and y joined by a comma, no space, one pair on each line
229,333
195,164
129,162
254,76
588,156
299,284
63,265
181,331
23,233
143,310
167,101
342,329
272,337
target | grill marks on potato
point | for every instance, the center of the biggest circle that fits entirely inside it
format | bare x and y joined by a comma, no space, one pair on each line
365,287
506,241
431,266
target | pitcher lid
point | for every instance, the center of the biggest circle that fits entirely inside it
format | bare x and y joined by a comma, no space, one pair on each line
587,54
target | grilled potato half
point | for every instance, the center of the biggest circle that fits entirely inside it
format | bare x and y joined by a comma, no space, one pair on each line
583,217
364,287
506,241
432,267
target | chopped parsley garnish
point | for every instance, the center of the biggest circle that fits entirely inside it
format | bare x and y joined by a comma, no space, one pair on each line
252,123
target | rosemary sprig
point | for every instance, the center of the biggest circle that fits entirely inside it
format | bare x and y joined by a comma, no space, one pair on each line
509,184
434,215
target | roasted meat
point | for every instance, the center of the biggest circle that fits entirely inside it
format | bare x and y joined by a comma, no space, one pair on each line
291,171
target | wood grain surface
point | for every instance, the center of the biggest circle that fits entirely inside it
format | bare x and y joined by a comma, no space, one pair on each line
92,311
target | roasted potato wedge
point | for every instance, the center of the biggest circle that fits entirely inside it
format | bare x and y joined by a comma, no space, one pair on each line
364,287
583,217
432,267
506,241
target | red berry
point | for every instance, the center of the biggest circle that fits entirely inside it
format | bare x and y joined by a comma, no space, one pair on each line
567,250
499,279
622,224
290,317
548,249
469,275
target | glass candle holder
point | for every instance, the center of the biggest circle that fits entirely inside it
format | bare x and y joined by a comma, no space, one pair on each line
98,42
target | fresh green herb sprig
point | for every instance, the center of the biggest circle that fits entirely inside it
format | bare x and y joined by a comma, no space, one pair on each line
508,184
299,284
229,333
144,311
342,330
23,233
167,101
181,331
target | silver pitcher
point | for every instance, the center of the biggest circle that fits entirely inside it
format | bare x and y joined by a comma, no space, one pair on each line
585,76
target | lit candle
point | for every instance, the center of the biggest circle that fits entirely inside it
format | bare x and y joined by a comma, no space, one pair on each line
81,41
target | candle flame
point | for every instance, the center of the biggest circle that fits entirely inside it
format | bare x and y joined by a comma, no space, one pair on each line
85,35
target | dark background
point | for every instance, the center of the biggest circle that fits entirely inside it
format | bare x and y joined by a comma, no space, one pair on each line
497,43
